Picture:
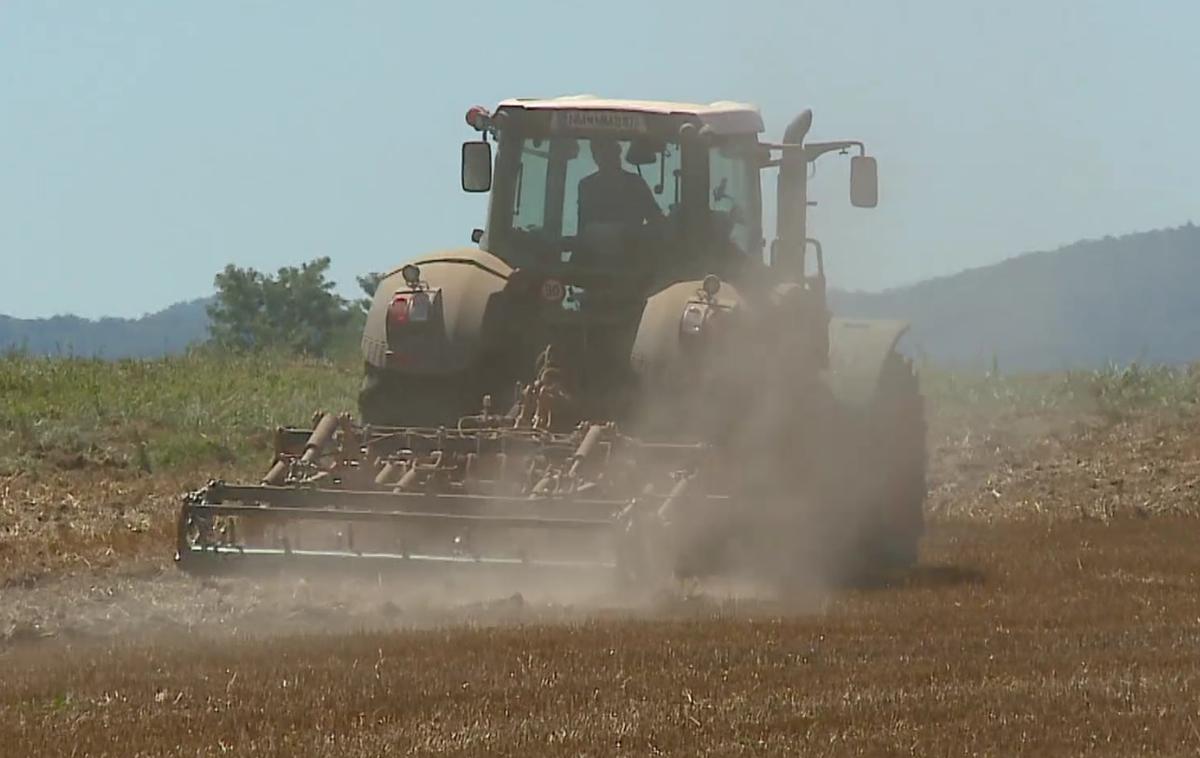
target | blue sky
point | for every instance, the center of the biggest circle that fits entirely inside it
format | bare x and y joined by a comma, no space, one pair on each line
145,144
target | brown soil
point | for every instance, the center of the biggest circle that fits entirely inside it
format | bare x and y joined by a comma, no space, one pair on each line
1056,612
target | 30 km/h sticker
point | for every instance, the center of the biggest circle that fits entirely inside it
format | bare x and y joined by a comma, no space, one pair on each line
553,290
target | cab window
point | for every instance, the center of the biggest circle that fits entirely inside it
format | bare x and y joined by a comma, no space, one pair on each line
529,197
545,197
733,195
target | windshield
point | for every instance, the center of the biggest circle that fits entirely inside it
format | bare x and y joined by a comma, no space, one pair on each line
622,203
568,187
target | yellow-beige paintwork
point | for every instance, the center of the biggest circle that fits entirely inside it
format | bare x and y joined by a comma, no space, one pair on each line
461,282
658,352
857,351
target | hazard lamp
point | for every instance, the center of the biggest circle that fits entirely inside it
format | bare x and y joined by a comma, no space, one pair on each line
478,118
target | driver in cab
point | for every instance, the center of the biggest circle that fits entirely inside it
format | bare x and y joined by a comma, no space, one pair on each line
612,195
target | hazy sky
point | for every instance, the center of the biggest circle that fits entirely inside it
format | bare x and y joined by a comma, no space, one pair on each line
145,144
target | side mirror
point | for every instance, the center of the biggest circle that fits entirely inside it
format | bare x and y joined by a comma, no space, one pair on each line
864,182
476,166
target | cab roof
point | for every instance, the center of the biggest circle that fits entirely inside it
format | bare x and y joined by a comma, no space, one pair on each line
724,117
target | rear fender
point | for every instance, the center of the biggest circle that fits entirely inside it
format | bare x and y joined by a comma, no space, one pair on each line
462,286
659,353
858,349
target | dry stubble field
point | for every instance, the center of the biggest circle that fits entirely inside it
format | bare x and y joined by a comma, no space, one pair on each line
1056,612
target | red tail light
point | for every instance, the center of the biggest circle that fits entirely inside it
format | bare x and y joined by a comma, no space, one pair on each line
406,316
398,311
408,308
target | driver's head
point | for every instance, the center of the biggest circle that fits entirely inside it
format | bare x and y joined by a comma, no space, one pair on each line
606,153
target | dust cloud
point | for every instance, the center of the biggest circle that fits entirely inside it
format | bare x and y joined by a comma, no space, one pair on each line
168,603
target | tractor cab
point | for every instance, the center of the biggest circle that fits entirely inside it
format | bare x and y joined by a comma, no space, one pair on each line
643,192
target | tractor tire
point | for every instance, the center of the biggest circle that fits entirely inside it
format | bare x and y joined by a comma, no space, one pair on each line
844,503
898,457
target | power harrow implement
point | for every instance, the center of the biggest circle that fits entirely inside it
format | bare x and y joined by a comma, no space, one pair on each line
487,493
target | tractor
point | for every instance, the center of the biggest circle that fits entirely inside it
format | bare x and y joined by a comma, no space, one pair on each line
619,371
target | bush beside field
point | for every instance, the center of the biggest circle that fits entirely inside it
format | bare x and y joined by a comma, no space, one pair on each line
211,406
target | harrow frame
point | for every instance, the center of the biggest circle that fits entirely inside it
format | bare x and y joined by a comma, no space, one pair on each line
440,495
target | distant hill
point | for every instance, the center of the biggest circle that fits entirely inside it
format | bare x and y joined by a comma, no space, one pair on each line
167,331
1118,299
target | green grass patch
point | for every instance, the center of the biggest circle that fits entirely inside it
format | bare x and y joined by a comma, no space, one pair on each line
211,408
1113,392
207,406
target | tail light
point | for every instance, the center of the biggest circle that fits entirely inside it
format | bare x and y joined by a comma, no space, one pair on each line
398,311
407,308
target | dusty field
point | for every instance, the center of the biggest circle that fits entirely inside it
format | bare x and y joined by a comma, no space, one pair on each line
1056,612
1016,638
